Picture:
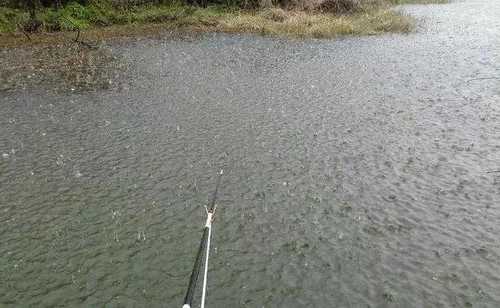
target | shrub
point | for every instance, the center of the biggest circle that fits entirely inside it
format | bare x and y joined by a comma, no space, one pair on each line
10,18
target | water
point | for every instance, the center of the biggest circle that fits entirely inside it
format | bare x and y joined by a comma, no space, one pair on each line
359,172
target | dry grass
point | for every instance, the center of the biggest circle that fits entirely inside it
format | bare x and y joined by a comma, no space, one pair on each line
317,25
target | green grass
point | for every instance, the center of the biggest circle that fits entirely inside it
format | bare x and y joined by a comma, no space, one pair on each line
101,14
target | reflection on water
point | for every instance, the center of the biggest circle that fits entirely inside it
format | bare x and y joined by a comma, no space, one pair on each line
360,172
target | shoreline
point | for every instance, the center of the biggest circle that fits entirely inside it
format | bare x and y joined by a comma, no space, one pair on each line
272,21
57,58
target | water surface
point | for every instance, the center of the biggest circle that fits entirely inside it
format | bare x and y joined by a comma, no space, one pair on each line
359,172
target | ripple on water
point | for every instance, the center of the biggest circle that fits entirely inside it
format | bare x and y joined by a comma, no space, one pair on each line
360,172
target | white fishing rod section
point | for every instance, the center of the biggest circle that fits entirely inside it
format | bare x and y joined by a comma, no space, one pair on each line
203,250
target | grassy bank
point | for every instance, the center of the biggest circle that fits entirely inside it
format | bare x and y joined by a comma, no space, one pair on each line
296,23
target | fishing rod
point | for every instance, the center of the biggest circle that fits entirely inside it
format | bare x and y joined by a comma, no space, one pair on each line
204,249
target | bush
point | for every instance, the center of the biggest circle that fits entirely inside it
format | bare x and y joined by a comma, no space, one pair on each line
10,19
71,17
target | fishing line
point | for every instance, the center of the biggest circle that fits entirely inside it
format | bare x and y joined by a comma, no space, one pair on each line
203,250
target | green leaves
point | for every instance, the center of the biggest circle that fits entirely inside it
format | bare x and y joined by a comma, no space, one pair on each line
11,18
75,16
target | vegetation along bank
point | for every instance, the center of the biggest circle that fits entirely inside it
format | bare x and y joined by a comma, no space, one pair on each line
296,18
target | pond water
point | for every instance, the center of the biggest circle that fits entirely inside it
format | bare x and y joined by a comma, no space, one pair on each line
359,172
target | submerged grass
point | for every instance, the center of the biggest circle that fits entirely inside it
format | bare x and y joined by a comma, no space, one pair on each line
61,67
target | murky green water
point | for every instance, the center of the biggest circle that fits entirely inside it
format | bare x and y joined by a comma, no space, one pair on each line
360,172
